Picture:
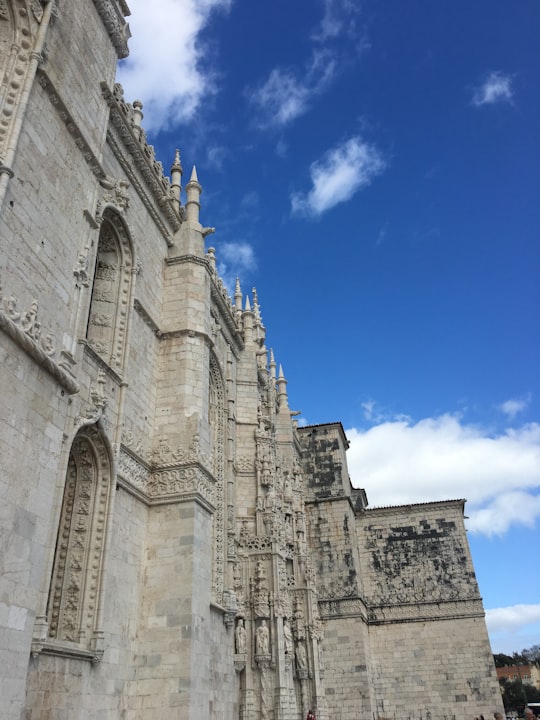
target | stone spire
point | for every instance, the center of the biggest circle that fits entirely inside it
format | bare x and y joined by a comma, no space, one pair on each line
176,177
272,365
257,309
248,318
193,202
238,296
282,391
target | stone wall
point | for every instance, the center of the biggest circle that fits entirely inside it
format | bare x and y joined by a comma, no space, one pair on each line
429,645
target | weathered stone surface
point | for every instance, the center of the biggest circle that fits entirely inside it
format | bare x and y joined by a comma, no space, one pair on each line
155,495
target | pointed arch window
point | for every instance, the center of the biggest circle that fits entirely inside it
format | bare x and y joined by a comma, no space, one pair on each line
75,588
111,292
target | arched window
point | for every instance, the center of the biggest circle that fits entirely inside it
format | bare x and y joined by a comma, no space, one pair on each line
74,593
109,306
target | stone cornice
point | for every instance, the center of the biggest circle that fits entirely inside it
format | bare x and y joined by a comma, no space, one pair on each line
169,334
421,612
111,14
173,483
66,650
226,314
72,127
34,349
343,607
137,160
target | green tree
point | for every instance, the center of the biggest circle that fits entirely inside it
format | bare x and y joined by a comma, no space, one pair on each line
516,694
502,660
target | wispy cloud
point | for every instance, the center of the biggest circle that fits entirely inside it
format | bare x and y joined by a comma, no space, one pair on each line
339,17
216,156
233,260
338,176
496,88
443,458
514,406
287,93
165,68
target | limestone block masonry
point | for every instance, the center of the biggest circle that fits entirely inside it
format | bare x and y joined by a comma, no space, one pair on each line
171,544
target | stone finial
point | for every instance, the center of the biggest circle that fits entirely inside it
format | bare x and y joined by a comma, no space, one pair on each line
176,177
137,117
211,254
193,204
238,296
256,307
272,364
282,391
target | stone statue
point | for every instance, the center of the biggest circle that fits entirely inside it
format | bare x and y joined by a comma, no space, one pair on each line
241,637
301,656
287,636
262,639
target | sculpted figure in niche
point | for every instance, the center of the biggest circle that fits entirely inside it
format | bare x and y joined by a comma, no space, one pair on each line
287,636
270,499
262,639
301,656
241,637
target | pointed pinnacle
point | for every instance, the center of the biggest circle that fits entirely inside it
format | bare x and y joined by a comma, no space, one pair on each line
177,165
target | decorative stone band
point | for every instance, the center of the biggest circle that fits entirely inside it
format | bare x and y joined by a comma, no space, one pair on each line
141,155
60,648
35,349
345,607
115,24
420,612
71,125
178,483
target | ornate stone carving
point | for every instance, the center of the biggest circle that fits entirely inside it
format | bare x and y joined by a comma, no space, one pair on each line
116,26
81,269
142,155
95,407
116,193
244,464
27,332
74,591
134,472
109,311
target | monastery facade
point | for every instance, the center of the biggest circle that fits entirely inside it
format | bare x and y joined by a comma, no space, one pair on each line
172,545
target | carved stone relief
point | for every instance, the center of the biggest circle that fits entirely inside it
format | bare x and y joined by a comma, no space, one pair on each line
74,594
217,421
27,332
109,309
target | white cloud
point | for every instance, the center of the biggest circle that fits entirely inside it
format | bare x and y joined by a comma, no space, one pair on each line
286,94
512,619
339,17
164,68
399,462
496,88
234,259
216,156
338,176
513,407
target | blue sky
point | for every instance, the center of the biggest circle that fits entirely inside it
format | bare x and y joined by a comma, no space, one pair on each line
373,169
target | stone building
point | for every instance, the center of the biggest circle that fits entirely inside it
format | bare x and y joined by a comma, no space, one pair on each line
171,544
